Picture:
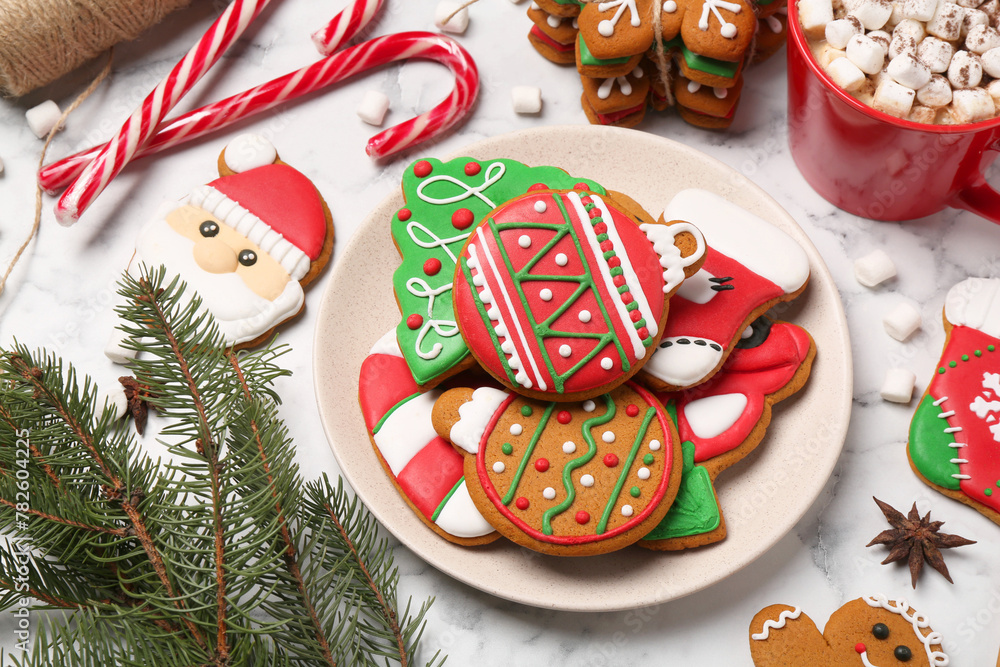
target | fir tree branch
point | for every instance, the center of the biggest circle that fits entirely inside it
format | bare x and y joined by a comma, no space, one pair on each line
116,532
9,420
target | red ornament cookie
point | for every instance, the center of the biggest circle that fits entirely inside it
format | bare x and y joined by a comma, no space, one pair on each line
568,479
561,295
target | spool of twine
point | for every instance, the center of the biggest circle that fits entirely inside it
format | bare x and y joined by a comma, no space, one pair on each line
40,40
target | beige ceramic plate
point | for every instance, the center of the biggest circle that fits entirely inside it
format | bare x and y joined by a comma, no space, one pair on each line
762,497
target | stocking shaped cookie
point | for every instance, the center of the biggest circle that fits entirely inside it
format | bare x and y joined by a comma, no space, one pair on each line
568,479
561,294
954,441
750,265
867,632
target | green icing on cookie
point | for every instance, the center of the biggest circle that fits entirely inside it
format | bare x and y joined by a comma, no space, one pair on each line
929,445
444,203
702,63
695,510
588,58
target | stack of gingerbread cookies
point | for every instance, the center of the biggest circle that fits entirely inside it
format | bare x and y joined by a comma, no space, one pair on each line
637,53
568,371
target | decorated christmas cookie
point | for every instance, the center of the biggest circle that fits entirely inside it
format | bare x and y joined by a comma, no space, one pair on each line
568,479
955,433
247,243
750,265
553,36
871,631
618,100
561,295
564,8
706,106
723,420
444,203
617,27
425,469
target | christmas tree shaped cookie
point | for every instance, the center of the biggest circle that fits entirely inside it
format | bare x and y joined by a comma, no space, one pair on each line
954,441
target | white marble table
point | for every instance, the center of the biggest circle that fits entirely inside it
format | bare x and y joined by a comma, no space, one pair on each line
62,303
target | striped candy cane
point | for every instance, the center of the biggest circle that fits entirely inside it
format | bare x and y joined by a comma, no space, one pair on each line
143,122
330,70
346,25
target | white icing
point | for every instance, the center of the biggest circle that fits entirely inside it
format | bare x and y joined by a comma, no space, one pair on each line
249,151
474,416
491,175
569,447
683,365
553,21
747,332
726,29
432,240
742,236
712,416
643,473
459,516
445,328
607,27
565,351
604,90
524,241
918,621
670,6
540,206
627,510
516,429
548,493
608,437
584,316
562,259
985,408
662,237
698,288
545,294
587,480
499,467
777,625
693,86
654,445
589,406
720,93
607,364
975,303
406,431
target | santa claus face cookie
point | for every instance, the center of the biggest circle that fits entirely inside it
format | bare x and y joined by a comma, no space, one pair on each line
568,479
561,295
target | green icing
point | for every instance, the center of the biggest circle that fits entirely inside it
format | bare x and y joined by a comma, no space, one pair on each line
435,347
444,501
701,63
626,469
929,445
695,510
587,58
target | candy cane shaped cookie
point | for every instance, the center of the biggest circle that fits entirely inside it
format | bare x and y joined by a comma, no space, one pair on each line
425,469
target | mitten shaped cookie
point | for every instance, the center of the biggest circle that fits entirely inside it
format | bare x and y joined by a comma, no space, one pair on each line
568,479
872,630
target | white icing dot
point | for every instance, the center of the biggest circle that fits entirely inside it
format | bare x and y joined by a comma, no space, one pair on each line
606,28
627,510
545,294
565,351
516,429
654,445
584,316
588,406
524,240
728,31
608,436
670,6
499,467
587,480
562,259
606,363
569,446
540,206
549,493
643,473
747,333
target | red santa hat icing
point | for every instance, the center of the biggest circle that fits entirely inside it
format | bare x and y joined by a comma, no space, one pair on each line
273,205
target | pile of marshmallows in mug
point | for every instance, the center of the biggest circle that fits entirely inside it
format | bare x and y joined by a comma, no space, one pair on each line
929,61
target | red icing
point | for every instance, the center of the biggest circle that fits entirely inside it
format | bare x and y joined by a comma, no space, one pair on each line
522,503
582,517
611,118
581,186
643,332
632,410
538,186
472,168
614,261
462,218
541,465
562,48
564,417
860,647
619,281
384,381
611,460
404,214
422,168
414,321
430,475
635,316
432,266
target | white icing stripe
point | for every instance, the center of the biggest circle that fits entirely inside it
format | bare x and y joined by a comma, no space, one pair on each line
498,277
712,416
865,661
777,625
387,344
459,516
631,279
918,621
588,231
474,416
494,312
406,431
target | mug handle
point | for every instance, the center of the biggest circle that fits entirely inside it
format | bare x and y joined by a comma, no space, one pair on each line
980,198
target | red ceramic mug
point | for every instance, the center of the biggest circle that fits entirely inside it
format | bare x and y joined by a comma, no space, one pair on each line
875,165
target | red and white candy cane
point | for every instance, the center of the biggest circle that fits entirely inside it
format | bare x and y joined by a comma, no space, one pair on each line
143,122
346,25
330,70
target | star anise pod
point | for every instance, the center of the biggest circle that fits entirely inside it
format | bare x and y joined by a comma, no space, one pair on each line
136,395
916,540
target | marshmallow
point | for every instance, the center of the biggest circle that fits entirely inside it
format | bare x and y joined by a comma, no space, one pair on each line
905,37
897,387
893,99
994,90
458,23
373,107
873,14
947,21
965,70
972,105
918,10
902,321
814,15
882,38
973,17
936,93
968,4
935,53
841,30
982,38
846,74
874,268
114,399
990,62
992,10
908,71
43,118
827,54
922,114
526,99
866,53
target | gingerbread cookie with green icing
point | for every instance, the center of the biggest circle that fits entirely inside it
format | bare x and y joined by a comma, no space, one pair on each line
444,203
562,295
567,479
617,28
